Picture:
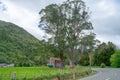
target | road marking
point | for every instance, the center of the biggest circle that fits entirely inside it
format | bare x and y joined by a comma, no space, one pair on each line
107,79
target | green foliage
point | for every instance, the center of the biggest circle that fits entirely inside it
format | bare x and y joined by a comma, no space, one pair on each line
84,60
66,22
88,44
21,48
115,59
102,65
37,73
103,53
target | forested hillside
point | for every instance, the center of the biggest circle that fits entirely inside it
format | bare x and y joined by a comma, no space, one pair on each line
21,48
18,46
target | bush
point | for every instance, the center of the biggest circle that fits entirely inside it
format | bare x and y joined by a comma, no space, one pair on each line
84,60
102,65
115,59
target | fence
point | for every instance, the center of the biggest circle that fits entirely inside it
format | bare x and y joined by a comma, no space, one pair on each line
59,76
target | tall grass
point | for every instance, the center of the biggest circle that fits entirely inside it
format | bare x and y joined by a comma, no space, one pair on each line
30,73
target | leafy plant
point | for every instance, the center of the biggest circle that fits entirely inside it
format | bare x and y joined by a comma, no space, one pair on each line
115,59
102,65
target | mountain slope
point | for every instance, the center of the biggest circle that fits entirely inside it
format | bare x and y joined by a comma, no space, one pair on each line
16,43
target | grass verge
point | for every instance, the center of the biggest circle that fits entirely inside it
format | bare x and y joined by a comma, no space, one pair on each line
40,73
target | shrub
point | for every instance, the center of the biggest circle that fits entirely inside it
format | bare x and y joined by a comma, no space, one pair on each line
84,60
115,59
102,65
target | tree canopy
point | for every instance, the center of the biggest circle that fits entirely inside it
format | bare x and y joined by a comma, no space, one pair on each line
115,59
21,48
103,53
66,22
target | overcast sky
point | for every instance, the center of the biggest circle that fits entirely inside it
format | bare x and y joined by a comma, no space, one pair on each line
105,16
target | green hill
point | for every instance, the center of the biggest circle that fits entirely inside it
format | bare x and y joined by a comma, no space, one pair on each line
16,45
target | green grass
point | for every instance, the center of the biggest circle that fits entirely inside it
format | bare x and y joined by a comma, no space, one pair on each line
36,73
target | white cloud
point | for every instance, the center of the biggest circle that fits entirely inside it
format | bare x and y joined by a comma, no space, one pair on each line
105,16
25,14
22,17
2,6
106,8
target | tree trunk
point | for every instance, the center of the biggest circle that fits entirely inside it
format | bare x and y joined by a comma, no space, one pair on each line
61,56
72,65
90,59
62,59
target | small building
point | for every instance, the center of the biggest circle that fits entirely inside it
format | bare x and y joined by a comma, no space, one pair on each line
56,62
3,65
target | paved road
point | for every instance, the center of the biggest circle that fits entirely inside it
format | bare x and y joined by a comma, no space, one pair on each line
105,74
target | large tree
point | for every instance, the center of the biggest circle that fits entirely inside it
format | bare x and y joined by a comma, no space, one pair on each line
66,23
88,44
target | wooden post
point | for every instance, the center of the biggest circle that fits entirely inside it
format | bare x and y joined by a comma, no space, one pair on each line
59,76
14,75
73,75
0,76
40,72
